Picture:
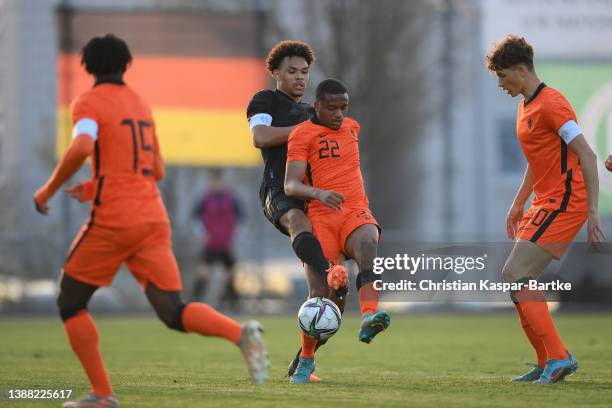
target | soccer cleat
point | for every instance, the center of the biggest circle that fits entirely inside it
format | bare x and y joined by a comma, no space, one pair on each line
254,351
557,370
294,364
337,279
531,375
303,371
93,401
372,324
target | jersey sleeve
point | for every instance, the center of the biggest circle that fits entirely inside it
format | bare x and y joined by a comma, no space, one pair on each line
561,118
83,108
85,119
299,144
260,110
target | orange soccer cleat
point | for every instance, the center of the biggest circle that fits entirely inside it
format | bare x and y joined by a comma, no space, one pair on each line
337,279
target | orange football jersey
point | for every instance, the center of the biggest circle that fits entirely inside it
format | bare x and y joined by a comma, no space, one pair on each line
123,161
558,183
333,160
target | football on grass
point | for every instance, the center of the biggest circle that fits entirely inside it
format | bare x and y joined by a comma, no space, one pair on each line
319,318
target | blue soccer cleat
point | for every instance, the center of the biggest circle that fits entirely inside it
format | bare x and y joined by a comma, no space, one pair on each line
303,371
557,370
372,324
531,375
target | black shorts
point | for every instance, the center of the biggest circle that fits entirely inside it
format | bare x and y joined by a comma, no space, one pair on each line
275,204
211,256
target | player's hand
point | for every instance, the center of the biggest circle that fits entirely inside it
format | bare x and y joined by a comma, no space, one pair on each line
81,192
595,234
514,217
331,199
41,196
609,163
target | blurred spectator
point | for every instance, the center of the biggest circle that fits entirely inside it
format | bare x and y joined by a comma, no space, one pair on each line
219,211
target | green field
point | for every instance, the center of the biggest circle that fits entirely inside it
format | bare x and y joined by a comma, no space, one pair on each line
421,361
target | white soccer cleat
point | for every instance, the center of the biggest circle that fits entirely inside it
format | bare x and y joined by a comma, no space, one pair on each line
93,401
254,351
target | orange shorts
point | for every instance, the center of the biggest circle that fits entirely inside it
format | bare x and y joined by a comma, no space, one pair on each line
332,228
97,252
551,230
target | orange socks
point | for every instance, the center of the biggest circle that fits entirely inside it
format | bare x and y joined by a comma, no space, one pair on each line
535,341
368,298
534,308
308,346
202,319
83,338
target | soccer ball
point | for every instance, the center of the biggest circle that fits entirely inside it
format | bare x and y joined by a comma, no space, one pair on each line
319,318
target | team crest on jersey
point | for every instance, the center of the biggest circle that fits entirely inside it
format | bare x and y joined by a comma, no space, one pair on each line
529,123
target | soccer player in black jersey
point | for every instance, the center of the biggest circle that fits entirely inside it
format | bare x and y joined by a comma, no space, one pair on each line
272,116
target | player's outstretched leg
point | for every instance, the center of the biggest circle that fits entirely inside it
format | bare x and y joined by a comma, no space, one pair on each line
83,337
203,319
362,246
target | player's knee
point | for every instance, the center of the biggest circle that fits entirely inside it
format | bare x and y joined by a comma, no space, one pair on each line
172,317
366,252
68,309
297,221
369,246
511,274
365,277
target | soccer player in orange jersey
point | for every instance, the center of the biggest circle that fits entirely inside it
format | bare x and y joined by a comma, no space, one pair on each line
562,174
128,223
327,146
272,115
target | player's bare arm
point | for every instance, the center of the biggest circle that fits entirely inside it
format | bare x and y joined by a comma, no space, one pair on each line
159,169
82,192
80,148
294,186
588,162
515,214
609,163
270,136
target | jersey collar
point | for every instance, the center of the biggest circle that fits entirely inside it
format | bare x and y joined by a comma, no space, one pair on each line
314,119
285,95
109,81
535,94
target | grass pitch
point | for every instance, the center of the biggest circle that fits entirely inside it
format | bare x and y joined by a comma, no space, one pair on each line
421,361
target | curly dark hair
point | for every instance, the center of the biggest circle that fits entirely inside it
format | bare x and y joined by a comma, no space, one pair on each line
508,52
106,55
289,48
